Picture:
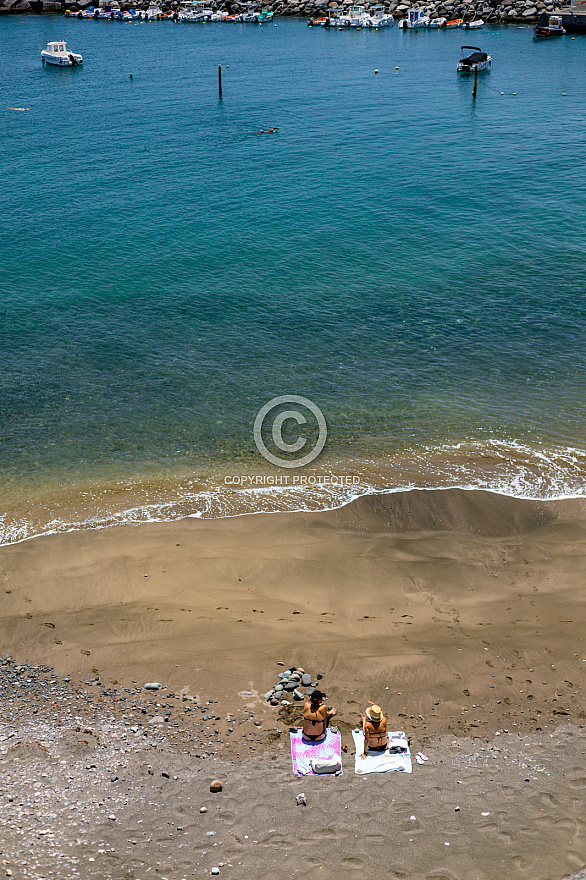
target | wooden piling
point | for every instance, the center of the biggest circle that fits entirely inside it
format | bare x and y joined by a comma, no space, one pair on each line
219,80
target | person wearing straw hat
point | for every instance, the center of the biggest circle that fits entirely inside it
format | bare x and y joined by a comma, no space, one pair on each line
374,727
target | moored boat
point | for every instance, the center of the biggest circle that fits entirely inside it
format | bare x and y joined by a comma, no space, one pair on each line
58,54
380,17
437,23
416,18
355,17
472,25
476,61
549,26
455,23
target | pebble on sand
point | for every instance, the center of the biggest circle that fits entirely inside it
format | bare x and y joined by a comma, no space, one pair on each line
216,786
152,686
203,809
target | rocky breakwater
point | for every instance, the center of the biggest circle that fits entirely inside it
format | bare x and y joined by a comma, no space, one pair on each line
491,12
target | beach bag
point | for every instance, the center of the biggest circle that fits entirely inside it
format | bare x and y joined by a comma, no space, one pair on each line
326,765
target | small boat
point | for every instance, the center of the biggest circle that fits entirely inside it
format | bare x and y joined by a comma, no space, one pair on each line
455,22
315,22
472,25
154,13
355,16
549,26
476,61
332,17
416,18
266,15
195,12
380,17
437,23
57,53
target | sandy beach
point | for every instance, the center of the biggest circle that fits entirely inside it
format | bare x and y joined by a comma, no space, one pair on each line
461,613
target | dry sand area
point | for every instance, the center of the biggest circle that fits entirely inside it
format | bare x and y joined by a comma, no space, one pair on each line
461,613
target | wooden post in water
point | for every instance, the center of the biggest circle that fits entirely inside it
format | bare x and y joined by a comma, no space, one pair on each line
219,80
473,91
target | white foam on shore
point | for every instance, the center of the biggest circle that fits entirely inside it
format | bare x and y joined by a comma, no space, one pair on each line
509,468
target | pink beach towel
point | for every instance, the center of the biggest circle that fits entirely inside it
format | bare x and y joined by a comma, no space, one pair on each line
303,751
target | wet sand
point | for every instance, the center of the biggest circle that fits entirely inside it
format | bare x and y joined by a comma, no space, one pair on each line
461,613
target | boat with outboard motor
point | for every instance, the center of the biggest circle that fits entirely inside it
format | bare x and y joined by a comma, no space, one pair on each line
549,26
455,23
475,62
58,54
437,22
472,25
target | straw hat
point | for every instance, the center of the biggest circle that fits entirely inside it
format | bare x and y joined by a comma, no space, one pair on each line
374,713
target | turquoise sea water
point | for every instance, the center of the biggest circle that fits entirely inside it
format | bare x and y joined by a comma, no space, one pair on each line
410,260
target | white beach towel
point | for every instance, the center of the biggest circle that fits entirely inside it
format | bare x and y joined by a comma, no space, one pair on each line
303,751
397,756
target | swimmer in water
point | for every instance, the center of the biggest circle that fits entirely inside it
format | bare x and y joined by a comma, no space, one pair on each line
267,130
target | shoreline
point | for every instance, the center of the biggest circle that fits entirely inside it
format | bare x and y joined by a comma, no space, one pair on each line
509,468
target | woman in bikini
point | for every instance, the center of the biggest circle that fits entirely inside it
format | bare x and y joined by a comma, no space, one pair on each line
315,718
374,727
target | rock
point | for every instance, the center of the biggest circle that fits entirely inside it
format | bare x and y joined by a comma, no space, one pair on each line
216,786
274,702
203,809
268,695
285,703
215,870
113,779
112,817
529,13
158,719
278,687
152,686
290,686
280,663
300,800
319,676
297,695
306,679
165,774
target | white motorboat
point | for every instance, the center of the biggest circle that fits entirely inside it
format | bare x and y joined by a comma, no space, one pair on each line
380,17
251,16
57,53
476,61
355,16
154,13
219,16
195,12
416,18
472,25
437,23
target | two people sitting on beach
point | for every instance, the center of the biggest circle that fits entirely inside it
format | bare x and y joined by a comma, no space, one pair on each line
316,716
374,727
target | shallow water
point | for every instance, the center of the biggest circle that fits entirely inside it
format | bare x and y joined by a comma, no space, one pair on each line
408,259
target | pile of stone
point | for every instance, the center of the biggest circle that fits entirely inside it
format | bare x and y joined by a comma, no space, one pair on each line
289,684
